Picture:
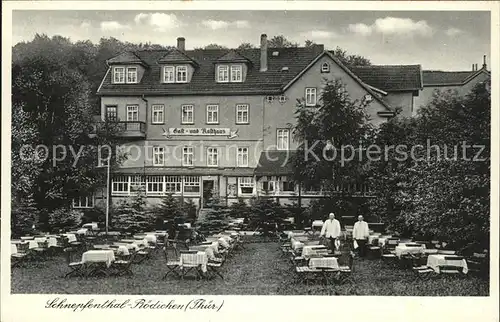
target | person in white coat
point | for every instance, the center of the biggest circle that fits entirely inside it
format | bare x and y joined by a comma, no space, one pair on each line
331,230
360,233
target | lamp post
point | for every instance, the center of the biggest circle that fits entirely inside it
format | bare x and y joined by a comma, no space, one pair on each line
108,167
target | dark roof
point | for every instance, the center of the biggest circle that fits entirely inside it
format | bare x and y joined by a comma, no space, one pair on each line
126,57
233,56
275,163
390,77
203,80
176,56
437,77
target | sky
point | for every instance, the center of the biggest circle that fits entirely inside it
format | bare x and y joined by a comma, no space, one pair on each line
438,40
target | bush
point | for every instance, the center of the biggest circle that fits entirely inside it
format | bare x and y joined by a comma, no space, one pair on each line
132,216
240,209
266,215
64,219
189,210
215,221
93,215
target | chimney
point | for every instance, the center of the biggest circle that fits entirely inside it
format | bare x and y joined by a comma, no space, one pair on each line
473,67
181,44
476,66
484,61
263,52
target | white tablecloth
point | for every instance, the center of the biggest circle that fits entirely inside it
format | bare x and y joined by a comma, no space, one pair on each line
32,244
129,246
324,262
150,238
71,237
27,238
435,260
141,243
122,250
317,223
82,231
296,244
402,249
309,250
199,258
13,248
92,225
99,256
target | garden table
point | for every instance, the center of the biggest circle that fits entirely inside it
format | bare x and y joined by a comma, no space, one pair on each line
436,260
92,226
129,246
141,243
296,244
324,262
94,260
71,237
317,223
151,238
32,244
312,250
162,233
199,258
403,249
430,251
27,238
82,231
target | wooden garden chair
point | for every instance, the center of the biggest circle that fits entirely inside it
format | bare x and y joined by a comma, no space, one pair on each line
77,267
21,256
123,267
451,270
173,266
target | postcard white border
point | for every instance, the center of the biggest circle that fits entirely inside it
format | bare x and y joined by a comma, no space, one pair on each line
20,308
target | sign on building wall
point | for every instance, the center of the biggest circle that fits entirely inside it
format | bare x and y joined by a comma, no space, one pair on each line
199,131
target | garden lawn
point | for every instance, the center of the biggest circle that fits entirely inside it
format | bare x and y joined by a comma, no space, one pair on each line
258,269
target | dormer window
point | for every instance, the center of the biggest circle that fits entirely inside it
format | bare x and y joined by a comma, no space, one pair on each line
131,75
181,74
122,75
169,74
119,75
232,73
325,68
223,74
236,73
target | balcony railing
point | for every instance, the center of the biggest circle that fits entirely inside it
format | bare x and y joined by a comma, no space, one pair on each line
131,129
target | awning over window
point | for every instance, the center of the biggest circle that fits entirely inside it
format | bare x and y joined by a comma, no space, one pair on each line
275,163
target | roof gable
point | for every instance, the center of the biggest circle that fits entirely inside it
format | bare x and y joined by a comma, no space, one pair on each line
233,56
125,58
176,56
442,78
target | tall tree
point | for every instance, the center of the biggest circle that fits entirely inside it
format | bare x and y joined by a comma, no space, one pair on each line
281,41
246,45
53,153
349,59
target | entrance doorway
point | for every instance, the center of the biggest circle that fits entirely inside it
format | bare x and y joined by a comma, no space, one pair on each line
208,188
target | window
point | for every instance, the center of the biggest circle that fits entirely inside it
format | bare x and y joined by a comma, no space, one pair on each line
311,96
119,75
269,185
212,114
236,73
282,99
187,156
84,202
212,157
136,183
173,184
131,75
246,185
269,99
154,185
132,113
325,68
157,117
111,114
168,74
223,74
120,184
242,114
242,157
181,74
158,155
287,186
283,139
187,114
192,184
